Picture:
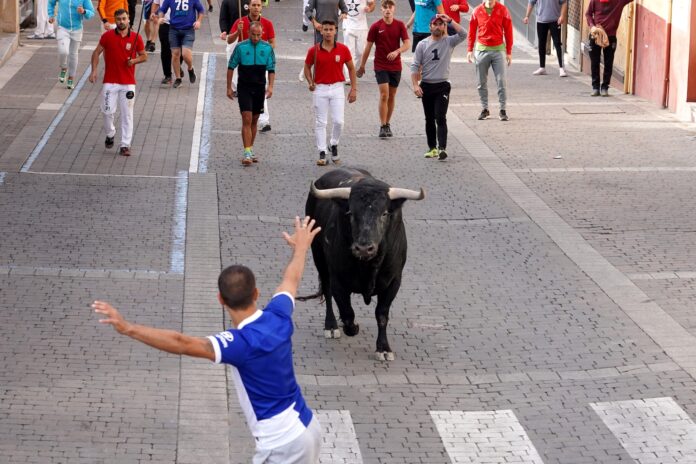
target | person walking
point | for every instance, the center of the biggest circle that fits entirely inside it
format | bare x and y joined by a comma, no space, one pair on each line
151,26
120,48
230,11
604,14
107,9
431,64
391,40
355,29
551,15
318,11
184,21
490,29
255,59
69,18
239,32
166,50
258,347
420,19
44,27
323,70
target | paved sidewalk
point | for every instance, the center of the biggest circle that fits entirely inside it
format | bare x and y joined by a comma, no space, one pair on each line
545,314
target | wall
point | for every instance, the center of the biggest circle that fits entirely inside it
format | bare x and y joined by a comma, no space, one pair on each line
682,76
651,44
9,16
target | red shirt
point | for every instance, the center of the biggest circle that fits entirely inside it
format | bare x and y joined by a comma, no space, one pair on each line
117,50
489,29
267,32
455,15
606,13
387,38
328,65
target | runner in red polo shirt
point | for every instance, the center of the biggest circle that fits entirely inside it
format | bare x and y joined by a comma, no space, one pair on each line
120,47
324,73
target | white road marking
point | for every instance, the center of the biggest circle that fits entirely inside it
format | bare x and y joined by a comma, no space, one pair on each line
484,437
176,259
49,106
198,124
339,442
652,431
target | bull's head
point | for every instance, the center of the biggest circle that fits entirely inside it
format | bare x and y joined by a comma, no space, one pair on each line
371,207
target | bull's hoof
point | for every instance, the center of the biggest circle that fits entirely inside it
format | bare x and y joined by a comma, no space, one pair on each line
351,329
333,333
384,355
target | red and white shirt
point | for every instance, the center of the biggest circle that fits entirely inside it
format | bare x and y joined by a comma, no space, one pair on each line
328,64
117,51
267,32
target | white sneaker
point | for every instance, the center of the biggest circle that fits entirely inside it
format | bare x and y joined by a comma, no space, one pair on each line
562,72
540,72
301,76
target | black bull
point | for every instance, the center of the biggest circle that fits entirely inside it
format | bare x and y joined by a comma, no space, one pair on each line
361,247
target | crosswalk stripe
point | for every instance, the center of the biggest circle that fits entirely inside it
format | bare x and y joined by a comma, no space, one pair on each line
652,431
475,437
339,442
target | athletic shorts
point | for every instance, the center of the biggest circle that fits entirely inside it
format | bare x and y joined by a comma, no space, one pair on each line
391,77
147,9
181,38
250,97
417,37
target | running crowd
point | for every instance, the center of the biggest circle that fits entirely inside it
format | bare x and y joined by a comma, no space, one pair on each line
329,65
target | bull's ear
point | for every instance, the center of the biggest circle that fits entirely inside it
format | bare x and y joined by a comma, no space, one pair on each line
395,205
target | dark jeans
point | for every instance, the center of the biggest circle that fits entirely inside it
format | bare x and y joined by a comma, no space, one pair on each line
435,103
417,37
131,13
595,58
543,30
166,51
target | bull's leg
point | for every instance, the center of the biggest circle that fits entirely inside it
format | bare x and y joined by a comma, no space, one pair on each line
384,301
330,324
345,311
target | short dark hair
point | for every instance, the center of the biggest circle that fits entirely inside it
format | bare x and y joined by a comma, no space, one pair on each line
328,22
119,12
237,284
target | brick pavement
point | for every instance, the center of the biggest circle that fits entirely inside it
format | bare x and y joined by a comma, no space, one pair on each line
493,313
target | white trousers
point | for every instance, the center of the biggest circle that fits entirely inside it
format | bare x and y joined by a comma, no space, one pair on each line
68,46
302,450
43,27
228,52
355,40
328,98
306,21
115,95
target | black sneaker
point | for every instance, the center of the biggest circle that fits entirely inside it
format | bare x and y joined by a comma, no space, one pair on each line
266,128
503,115
387,129
334,154
322,159
192,75
167,81
383,132
177,83
304,28
442,154
150,46
484,114
210,8
124,151
109,142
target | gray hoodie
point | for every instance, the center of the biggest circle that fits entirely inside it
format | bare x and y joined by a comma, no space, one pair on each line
435,56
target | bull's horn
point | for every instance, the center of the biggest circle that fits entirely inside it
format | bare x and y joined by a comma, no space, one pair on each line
328,194
398,193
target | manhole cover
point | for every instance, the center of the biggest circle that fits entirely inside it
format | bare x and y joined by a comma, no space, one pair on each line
593,109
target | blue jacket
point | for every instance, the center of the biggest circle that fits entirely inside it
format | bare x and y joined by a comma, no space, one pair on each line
68,17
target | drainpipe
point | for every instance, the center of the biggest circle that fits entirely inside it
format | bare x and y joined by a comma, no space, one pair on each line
668,50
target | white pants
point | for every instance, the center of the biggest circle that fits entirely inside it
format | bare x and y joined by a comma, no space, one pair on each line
306,21
355,40
112,95
228,52
43,27
328,97
68,46
302,450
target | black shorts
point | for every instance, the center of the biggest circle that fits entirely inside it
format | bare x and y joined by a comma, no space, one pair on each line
391,77
250,97
417,37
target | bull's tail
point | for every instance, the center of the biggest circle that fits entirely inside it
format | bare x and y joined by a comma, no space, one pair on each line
319,294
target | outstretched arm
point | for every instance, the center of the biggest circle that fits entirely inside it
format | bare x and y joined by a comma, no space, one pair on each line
299,242
165,340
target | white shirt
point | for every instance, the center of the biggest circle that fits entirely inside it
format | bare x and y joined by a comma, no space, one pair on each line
357,17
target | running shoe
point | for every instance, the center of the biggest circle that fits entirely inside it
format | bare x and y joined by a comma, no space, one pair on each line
334,154
431,154
442,154
387,128
210,8
266,128
109,142
503,116
70,84
595,93
247,159
192,75
322,159
604,91
484,114
167,81
539,72
383,132
124,151
177,83
63,73
304,28
562,72
149,46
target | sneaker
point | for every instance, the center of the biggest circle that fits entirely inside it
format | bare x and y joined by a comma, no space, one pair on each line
595,93
63,73
50,36
562,72
304,28
266,128
35,36
442,154
484,114
387,129
70,84
383,132
149,46
301,76
247,159
539,72
322,159
124,151
503,116
253,158
210,8
604,92
431,154
167,81
334,154
177,83
109,142
192,75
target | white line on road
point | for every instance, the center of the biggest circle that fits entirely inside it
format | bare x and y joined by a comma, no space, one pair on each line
339,442
206,140
652,431
198,124
176,260
2,177
484,437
